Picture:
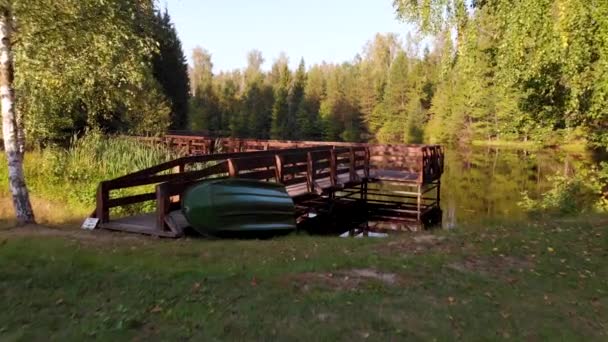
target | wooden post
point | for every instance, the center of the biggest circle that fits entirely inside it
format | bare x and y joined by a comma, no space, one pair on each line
419,203
163,205
103,196
421,166
333,167
366,163
232,170
181,168
279,167
309,174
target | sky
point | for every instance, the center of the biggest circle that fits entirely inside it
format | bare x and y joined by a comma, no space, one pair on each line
317,30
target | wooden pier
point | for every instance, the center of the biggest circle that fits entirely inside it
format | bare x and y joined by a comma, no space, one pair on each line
394,187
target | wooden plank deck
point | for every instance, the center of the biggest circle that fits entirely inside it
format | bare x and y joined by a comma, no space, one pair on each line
146,223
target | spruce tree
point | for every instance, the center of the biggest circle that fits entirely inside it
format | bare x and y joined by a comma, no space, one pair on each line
280,108
309,122
391,116
170,69
296,102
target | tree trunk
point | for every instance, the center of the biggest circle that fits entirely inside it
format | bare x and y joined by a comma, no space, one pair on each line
13,142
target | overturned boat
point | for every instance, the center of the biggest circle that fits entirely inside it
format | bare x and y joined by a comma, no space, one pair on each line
234,207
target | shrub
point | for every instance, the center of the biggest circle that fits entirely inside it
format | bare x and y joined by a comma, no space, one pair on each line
584,192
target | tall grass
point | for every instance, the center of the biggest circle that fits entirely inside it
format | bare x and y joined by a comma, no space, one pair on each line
70,176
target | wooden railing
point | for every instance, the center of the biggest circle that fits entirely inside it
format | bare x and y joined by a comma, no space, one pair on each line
425,161
170,172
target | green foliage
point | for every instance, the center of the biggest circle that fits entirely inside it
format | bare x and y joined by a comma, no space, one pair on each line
582,193
509,73
298,118
520,74
86,63
204,112
88,161
280,128
433,16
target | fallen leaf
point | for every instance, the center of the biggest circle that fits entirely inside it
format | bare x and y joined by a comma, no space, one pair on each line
196,286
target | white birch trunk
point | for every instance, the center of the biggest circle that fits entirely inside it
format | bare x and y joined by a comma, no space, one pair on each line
13,142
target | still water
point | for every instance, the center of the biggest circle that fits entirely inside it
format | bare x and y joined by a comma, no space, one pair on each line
487,183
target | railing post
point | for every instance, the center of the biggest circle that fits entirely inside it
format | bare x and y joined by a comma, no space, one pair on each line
421,166
333,167
279,167
103,196
163,206
232,170
419,203
310,180
367,162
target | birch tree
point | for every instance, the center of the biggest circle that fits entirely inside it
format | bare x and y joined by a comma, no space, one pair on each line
12,132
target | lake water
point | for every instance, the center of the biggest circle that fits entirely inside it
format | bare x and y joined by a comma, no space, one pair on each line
487,183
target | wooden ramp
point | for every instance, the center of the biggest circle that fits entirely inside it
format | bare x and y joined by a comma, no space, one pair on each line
316,176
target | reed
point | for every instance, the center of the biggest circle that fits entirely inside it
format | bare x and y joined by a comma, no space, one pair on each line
69,176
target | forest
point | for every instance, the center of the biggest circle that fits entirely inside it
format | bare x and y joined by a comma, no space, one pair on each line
493,71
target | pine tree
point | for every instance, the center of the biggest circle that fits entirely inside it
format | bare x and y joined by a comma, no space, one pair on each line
309,122
296,103
391,116
280,109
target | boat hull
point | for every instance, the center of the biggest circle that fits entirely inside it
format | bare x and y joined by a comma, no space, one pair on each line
239,207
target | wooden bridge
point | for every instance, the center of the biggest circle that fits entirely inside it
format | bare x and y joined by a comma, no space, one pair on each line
390,186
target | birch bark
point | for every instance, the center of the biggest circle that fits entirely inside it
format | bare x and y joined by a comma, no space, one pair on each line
13,140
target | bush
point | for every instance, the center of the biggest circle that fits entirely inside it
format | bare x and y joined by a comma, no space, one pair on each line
584,192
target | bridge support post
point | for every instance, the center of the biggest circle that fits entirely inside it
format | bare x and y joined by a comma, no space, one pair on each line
103,197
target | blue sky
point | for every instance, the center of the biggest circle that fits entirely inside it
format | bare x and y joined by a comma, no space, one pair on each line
318,30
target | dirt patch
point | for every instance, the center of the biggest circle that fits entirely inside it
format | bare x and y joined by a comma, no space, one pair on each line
345,280
501,266
416,244
96,237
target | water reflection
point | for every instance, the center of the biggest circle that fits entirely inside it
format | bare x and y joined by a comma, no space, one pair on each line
487,183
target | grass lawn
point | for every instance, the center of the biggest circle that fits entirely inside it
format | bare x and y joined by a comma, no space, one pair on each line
533,281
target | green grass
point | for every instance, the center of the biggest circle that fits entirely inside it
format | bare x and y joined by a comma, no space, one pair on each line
65,180
529,281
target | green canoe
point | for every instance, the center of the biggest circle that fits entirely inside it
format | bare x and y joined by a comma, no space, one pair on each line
239,207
